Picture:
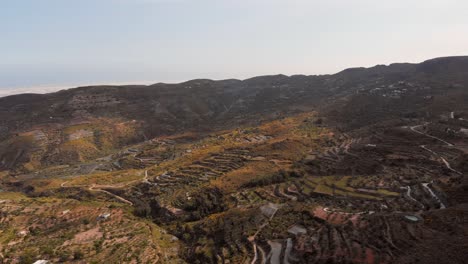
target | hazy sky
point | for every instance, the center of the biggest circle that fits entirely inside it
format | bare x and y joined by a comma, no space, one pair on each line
60,43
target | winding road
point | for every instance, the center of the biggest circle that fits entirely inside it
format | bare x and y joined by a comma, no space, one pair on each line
145,179
252,239
446,163
93,186
262,253
255,253
442,205
97,188
408,193
275,252
413,128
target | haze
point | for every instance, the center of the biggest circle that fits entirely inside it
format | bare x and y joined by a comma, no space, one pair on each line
49,44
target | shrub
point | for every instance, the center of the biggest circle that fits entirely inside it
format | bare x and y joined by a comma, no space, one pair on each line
78,254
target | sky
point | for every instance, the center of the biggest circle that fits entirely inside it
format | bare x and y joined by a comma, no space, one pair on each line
50,44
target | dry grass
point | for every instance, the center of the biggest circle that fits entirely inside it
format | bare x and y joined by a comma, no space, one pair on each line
325,185
233,180
108,178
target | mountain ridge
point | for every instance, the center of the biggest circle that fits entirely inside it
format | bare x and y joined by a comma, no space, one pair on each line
202,105
399,64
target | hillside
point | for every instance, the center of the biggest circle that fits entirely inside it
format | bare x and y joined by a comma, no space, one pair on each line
367,165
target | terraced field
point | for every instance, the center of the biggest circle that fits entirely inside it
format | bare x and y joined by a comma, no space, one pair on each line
66,230
287,191
202,171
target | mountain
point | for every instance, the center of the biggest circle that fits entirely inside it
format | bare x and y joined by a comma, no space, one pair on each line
366,165
204,105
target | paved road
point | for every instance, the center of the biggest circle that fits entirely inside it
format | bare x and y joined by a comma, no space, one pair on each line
275,252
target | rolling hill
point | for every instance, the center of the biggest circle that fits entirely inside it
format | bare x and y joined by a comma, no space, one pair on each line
367,165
